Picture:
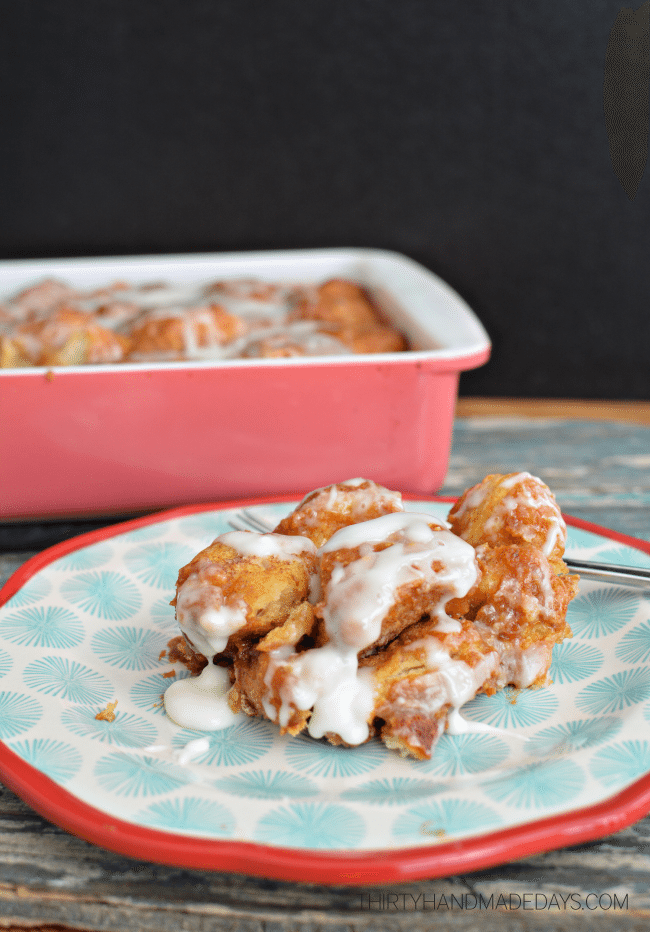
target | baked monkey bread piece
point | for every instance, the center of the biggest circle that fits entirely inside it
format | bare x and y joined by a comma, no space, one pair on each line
356,618
511,509
240,588
324,511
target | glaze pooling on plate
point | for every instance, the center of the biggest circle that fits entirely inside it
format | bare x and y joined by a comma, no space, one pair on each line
89,628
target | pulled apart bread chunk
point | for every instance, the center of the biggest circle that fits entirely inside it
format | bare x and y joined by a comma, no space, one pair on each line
355,618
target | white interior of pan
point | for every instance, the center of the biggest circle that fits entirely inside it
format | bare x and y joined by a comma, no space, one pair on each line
434,318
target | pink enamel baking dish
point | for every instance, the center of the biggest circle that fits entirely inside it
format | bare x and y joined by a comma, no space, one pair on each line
112,439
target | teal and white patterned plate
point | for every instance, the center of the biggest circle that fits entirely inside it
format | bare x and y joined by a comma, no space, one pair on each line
89,628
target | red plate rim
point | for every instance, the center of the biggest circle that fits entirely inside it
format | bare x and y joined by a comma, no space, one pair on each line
343,868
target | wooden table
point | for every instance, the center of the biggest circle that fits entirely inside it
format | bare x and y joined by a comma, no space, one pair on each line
600,471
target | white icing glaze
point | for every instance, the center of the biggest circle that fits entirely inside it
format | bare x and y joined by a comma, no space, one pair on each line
536,497
415,528
202,612
557,531
448,682
360,594
200,321
350,496
473,498
453,682
297,338
304,334
203,615
326,680
518,667
280,546
515,479
357,598
461,680
457,724
200,702
192,749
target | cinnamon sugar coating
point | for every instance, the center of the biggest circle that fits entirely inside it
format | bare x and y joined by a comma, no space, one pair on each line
387,622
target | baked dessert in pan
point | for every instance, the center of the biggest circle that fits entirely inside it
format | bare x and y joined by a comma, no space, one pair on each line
54,324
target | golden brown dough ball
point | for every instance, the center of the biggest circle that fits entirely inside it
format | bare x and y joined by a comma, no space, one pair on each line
12,355
186,333
511,509
346,311
43,296
337,302
69,337
379,339
325,511
240,587
520,596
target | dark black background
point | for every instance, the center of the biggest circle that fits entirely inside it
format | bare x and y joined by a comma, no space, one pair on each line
467,135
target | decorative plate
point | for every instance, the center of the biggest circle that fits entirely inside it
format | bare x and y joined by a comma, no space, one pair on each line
86,623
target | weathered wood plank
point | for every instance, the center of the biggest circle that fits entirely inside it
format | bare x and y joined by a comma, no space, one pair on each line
599,471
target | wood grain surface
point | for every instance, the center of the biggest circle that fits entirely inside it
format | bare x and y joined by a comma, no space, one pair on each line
637,412
50,880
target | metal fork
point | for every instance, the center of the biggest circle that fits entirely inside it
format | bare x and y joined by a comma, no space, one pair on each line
588,569
245,520
610,572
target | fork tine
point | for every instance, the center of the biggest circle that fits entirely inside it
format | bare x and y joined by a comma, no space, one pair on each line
255,521
237,524
244,520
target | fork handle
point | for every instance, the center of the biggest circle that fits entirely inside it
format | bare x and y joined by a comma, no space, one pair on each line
624,575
